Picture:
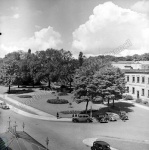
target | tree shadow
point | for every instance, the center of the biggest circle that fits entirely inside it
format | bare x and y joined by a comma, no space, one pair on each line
19,91
118,106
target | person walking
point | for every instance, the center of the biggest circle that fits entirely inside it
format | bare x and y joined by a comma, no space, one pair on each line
57,115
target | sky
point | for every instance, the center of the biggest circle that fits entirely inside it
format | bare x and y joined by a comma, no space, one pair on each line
118,27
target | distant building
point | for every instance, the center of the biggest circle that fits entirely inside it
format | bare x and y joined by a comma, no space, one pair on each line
131,64
138,83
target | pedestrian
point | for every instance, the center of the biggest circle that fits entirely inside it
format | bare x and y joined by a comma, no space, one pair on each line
57,115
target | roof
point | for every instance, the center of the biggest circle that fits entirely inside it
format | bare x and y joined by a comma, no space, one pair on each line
19,140
126,62
144,71
101,142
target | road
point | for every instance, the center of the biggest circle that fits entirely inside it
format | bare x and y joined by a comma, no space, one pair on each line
130,135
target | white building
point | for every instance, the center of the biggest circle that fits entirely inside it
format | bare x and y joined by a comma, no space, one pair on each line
138,83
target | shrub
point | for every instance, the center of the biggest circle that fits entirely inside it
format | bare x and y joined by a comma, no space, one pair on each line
57,101
70,112
128,97
62,93
138,100
25,96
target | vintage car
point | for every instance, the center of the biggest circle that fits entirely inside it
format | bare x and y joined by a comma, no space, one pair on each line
102,118
81,118
123,115
111,116
100,145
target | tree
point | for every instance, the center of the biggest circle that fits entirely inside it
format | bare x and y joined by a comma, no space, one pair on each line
50,61
80,58
10,68
84,90
111,83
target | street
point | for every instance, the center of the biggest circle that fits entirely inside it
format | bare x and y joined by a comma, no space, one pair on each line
129,135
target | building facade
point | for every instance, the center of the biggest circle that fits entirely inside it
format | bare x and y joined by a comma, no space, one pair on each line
138,83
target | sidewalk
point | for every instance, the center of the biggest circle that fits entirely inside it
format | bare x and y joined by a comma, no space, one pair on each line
136,104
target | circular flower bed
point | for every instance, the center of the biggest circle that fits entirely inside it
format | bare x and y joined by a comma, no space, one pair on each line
57,101
25,96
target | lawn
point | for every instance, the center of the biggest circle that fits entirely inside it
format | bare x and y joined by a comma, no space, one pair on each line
38,99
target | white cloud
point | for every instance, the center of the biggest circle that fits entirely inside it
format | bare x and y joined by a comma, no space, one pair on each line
16,16
14,8
43,39
141,6
5,49
109,27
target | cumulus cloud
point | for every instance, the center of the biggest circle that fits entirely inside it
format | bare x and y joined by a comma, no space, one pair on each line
16,16
43,39
141,6
109,27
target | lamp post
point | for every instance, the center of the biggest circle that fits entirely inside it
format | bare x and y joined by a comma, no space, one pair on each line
23,125
47,142
9,124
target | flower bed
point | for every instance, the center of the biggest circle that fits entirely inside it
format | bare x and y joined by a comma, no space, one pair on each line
25,96
57,101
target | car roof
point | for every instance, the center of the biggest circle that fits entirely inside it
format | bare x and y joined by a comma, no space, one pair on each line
102,143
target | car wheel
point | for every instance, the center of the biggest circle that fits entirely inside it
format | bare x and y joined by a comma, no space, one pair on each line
92,148
88,121
74,120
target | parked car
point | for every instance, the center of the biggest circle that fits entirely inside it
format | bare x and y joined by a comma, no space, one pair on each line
81,118
100,145
4,106
111,116
102,118
123,115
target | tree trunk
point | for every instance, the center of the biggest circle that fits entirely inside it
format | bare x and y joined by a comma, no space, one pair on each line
49,84
87,105
108,101
113,102
9,89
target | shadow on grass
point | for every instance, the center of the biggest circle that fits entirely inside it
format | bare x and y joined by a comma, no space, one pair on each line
20,91
119,106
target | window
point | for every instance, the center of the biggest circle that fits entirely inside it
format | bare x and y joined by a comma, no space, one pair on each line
148,80
127,78
133,90
138,79
127,89
133,79
142,92
143,79
148,93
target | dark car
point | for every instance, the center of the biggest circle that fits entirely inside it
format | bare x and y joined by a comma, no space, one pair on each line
123,115
100,145
102,118
81,118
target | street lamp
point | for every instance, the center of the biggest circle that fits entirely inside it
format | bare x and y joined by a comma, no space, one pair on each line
47,142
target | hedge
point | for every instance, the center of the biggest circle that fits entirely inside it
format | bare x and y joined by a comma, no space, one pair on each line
57,101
